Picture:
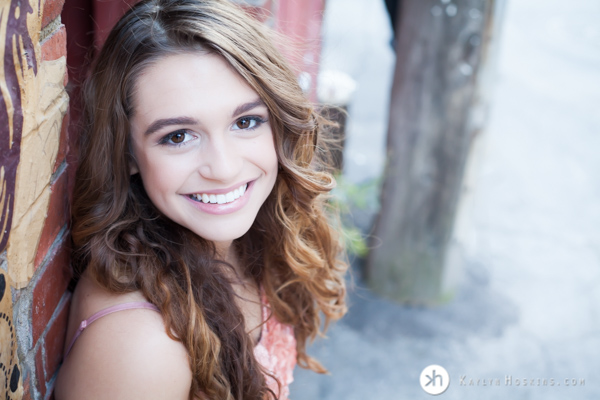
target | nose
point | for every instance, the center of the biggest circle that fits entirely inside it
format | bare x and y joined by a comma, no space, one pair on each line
220,160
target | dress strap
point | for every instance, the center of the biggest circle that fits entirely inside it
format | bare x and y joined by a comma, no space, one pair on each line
116,308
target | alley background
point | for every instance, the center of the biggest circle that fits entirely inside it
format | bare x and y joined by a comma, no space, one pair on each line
527,299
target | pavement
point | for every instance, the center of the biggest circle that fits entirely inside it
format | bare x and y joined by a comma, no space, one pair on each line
525,319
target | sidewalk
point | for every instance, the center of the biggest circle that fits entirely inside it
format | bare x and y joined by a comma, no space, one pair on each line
528,305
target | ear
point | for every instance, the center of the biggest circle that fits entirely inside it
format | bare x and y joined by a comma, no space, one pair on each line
133,167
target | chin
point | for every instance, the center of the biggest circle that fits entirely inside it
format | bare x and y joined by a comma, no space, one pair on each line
225,236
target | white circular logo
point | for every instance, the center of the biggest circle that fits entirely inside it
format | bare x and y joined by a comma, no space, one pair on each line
434,379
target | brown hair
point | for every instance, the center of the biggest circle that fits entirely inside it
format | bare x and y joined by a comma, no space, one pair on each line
127,244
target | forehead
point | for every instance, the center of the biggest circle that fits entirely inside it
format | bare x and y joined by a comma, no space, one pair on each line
181,84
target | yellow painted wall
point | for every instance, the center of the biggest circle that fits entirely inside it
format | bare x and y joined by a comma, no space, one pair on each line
34,89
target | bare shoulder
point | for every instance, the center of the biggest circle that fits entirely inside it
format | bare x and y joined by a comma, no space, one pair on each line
125,355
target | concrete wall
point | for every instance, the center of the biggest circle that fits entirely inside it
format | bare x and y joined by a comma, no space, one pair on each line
37,149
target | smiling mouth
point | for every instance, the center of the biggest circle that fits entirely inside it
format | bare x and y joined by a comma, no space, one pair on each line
223,198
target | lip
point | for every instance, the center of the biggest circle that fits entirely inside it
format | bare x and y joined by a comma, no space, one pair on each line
228,208
223,191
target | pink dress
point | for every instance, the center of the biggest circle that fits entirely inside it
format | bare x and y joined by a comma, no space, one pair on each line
275,351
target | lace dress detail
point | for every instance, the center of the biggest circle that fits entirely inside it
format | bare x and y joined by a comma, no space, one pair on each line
276,352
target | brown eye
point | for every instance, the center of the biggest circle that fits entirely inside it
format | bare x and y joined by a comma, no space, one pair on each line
248,123
178,137
243,123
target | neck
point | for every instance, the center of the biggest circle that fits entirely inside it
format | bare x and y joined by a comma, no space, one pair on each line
226,252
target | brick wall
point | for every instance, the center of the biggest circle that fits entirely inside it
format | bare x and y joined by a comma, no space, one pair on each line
36,175
38,143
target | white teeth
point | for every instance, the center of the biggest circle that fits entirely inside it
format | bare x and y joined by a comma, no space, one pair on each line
221,198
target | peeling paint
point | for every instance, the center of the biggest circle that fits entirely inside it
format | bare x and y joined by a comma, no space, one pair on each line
43,103
38,154
33,102
11,381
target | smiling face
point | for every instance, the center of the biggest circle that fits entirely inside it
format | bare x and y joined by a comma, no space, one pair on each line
203,145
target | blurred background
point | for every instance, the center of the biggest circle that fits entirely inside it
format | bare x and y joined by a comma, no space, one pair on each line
513,292
469,186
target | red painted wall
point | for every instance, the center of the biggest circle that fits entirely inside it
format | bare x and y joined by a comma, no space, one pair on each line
299,20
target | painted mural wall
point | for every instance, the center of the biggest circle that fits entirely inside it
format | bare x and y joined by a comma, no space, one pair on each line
33,103
10,373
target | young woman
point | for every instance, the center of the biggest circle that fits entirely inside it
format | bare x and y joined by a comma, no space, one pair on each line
203,250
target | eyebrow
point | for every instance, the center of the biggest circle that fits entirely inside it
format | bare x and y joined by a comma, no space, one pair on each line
161,123
247,107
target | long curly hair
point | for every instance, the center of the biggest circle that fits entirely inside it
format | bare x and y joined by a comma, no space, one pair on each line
126,244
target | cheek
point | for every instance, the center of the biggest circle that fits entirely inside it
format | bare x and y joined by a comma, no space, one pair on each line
271,160
271,148
262,156
158,176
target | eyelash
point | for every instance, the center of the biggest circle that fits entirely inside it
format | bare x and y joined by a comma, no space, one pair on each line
165,140
258,122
